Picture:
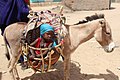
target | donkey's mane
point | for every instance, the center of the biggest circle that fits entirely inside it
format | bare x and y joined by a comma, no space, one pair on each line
91,18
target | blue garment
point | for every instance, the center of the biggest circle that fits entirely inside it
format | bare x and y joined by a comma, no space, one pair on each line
54,43
45,28
12,11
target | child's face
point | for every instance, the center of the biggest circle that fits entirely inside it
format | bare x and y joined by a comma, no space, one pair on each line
48,36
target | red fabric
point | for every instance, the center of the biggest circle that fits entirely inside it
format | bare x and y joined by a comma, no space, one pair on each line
26,1
37,45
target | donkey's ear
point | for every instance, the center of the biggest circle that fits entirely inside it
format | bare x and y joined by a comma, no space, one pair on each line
102,22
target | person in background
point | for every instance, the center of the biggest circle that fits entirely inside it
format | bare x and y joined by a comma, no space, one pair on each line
12,11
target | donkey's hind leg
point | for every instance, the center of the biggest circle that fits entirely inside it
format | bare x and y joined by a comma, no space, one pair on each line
13,63
11,72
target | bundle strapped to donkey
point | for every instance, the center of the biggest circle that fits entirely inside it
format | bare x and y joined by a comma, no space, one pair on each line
42,63
32,31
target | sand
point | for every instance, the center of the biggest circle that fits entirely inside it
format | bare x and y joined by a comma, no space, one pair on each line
88,62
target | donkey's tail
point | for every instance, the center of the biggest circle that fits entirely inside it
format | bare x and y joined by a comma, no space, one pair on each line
6,47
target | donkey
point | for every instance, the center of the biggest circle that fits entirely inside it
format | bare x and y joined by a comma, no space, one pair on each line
75,35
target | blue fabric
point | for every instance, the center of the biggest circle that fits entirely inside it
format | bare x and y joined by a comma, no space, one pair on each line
12,11
54,43
45,28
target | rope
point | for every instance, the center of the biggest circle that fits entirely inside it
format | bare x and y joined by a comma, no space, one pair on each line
42,61
50,59
44,48
51,51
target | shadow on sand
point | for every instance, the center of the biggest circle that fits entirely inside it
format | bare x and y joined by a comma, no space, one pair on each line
112,8
74,74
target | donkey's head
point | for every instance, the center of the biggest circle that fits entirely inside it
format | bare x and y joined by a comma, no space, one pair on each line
104,36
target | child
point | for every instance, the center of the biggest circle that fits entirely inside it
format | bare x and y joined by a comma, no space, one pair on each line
47,39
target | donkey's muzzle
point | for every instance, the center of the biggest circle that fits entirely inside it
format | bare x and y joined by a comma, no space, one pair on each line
110,47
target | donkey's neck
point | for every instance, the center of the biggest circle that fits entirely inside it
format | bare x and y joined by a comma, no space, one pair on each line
78,34
81,33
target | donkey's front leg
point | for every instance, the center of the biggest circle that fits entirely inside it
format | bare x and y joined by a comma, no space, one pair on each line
67,67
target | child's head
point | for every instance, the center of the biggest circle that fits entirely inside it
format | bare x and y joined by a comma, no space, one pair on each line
47,32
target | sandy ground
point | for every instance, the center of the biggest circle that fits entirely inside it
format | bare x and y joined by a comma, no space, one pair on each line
89,61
